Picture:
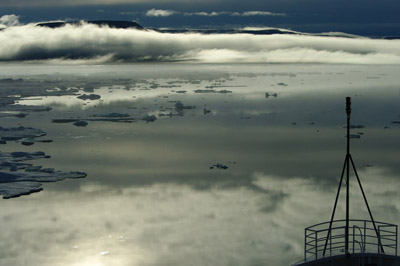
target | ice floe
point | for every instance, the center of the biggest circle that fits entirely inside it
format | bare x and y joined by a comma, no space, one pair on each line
26,135
112,115
13,114
211,91
19,178
89,97
354,126
219,166
13,190
206,111
267,95
23,108
80,123
149,118
179,106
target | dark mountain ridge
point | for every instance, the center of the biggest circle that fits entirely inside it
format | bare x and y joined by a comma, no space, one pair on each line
262,31
110,23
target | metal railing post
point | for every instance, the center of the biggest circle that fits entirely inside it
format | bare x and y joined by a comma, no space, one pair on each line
379,239
305,244
354,235
396,241
316,246
330,244
365,235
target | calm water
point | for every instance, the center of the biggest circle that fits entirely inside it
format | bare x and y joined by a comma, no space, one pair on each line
152,195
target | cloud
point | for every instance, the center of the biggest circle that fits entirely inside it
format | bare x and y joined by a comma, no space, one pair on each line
86,42
9,20
226,13
159,13
261,13
204,14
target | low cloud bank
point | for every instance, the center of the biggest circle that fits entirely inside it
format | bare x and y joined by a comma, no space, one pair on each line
102,44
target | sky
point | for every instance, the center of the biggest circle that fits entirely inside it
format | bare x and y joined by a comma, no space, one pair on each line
352,31
367,18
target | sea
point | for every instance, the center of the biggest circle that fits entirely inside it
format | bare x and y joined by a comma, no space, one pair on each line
219,164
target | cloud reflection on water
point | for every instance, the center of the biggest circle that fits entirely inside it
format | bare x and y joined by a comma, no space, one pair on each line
150,197
167,224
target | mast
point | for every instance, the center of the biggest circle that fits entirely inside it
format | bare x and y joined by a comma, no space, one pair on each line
348,112
346,167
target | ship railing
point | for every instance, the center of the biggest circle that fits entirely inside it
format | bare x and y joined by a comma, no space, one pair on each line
362,239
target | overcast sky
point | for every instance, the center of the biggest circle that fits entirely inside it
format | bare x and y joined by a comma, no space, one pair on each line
368,17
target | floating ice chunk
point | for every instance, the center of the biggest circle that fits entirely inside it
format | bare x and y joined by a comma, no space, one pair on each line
17,133
211,90
27,135
47,170
89,97
80,123
28,142
206,111
20,155
33,168
13,114
224,91
88,89
149,118
101,118
24,108
219,166
13,190
112,115
64,120
267,95
44,140
179,106
15,184
16,160
44,175
354,126
205,91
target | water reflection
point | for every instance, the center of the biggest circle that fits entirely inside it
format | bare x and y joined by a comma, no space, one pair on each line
150,197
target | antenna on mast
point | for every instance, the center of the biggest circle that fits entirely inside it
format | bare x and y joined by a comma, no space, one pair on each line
346,167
